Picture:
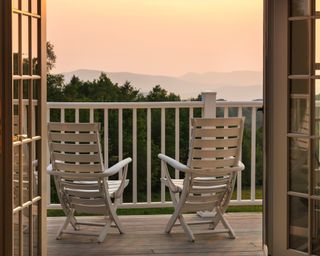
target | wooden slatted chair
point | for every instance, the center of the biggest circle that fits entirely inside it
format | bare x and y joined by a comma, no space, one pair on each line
210,175
81,179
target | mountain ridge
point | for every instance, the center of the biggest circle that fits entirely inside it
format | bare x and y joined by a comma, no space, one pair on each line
234,85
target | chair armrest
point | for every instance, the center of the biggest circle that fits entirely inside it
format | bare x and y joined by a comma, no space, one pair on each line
108,172
49,168
240,166
117,167
174,163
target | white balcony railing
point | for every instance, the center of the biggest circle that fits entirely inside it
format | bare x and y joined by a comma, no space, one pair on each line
223,108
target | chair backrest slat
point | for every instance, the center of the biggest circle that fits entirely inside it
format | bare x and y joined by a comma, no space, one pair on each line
79,158
74,127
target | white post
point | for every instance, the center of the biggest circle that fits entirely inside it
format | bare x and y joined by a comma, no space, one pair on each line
209,99
209,111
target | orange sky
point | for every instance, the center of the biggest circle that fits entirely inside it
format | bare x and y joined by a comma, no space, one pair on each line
168,37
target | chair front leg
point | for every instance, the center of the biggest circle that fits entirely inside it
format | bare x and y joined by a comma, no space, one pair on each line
104,232
175,215
113,214
186,228
226,224
65,224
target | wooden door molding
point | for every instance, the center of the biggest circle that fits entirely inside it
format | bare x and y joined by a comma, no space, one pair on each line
6,127
276,79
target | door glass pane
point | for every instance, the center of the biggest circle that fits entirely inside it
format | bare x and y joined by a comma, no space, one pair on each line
298,164
25,45
299,114
317,107
298,224
16,171
299,47
316,171
317,45
15,43
25,5
299,86
16,128
318,5
16,236
35,6
35,168
26,108
36,125
36,231
316,229
35,62
299,7
26,173
15,4
26,231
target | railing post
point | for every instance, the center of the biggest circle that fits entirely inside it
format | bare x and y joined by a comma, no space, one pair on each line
209,111
209,99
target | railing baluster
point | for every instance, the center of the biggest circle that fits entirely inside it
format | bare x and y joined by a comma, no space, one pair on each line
48,162
120,138
134,155
76,113
149,155
106,138
253,153
91,114
190,117
177,139
120,142
226,112
163,151
62,115
239,175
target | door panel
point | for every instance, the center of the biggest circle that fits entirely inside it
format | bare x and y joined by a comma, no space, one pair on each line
293,127
29,83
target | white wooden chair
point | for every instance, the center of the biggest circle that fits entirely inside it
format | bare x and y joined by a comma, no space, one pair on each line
210,175
81,179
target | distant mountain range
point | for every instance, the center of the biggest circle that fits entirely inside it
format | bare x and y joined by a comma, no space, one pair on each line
236,85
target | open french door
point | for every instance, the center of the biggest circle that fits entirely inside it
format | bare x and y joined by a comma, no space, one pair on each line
23,127
293,127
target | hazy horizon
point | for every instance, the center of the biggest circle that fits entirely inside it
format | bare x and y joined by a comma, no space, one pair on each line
159,37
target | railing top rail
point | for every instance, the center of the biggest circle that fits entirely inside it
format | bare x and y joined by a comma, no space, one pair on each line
243,104
128,105
144,105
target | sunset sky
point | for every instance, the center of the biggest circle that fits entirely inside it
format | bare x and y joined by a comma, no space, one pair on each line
164,37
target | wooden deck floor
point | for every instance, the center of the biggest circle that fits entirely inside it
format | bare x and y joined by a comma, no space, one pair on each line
145,236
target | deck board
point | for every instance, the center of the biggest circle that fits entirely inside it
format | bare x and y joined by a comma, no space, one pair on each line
145,236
